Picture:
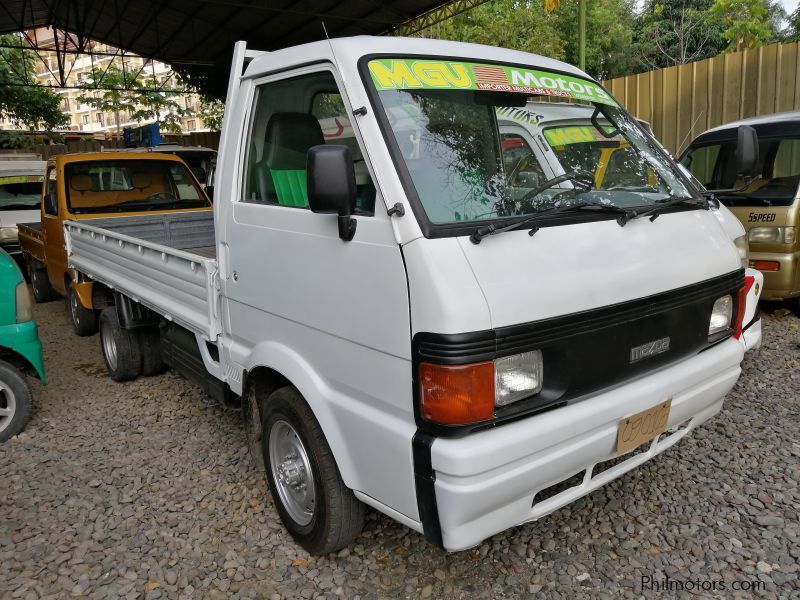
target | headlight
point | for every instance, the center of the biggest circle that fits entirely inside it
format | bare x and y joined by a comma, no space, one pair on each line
517,377
462,394
23,302
8,234
773,235
721,315
744,250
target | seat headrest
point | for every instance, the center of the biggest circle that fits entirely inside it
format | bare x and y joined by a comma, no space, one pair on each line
80,182
288,138
140,180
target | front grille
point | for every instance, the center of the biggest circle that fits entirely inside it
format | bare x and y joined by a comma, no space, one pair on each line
587,351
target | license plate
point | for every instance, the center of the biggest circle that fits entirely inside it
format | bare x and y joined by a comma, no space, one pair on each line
642,427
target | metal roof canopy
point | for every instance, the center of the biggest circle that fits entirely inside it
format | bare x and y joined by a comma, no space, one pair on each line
196,37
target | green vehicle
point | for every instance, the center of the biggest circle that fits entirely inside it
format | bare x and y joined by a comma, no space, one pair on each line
20,349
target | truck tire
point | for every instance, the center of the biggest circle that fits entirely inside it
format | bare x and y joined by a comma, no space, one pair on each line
42,292
152,363
121,348
320,512
84,321
15,401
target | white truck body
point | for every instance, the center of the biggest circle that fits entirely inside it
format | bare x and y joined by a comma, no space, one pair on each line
347,323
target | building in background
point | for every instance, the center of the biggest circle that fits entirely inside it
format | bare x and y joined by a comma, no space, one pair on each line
77,70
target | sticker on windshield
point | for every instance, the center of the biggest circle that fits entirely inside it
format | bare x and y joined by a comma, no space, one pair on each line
21,179
563,136
406,74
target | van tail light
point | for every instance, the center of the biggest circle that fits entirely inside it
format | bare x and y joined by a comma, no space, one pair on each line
766,265
741,305
456,394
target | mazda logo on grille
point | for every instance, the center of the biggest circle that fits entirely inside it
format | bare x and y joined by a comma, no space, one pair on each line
649,349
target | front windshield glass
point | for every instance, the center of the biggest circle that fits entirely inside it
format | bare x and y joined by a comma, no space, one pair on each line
130,185
20,192
779,166
483,142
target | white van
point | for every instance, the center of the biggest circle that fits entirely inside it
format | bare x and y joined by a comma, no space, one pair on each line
20,197
406,324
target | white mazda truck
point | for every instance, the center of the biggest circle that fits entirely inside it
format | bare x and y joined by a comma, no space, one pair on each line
407,322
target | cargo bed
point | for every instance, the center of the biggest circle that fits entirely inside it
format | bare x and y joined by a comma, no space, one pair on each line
166,262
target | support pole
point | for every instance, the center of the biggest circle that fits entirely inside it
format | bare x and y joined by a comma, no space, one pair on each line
582,34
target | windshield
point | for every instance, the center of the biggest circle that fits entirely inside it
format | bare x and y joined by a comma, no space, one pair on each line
714,165
20,192
481,142
130,185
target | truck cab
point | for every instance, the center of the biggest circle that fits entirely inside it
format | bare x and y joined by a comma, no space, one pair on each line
408,326
93,185
768,206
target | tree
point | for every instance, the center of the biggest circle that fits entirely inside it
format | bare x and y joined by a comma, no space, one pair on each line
21,98
518,24
793,27
675,33
524,25
745,23
210,112
142,97
609,34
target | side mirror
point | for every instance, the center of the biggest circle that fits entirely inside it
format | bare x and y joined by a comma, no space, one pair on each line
331,185
746,151
50,207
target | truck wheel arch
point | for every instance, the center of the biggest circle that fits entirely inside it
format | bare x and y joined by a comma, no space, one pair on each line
289,368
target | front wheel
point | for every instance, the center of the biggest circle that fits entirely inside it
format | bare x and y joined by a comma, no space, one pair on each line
314,504
15,401
84,320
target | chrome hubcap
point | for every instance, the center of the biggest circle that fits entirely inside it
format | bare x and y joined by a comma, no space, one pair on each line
292,472
109,348
73,306
8,406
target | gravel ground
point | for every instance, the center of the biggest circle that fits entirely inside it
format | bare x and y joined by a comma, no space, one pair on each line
145,490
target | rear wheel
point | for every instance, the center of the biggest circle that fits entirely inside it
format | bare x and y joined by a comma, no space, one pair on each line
320,512
84,320
42,292
15,401
121,348
152,363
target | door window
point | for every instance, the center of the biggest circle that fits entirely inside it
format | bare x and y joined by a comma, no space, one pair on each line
50,197
291,116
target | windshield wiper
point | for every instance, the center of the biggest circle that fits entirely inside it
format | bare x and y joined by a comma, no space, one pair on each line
582,181
668,203
734,196
492,229
20,207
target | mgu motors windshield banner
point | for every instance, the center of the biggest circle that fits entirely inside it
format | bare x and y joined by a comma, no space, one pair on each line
406,74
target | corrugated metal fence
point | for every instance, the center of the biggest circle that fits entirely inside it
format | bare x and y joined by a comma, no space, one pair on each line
683,101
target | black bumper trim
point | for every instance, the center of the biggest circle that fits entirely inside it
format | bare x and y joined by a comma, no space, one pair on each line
424,482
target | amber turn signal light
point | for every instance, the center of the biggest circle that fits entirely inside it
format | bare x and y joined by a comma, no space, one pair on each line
456,394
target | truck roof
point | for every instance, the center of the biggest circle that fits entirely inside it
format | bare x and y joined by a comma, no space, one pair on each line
61,159
351,49
22,167
786,124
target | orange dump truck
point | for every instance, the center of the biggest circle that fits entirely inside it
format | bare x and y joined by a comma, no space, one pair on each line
94,185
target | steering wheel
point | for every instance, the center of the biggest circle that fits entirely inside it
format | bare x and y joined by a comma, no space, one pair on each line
162,196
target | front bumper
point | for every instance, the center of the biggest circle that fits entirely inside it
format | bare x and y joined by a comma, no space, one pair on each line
783,283
23,339
487,482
